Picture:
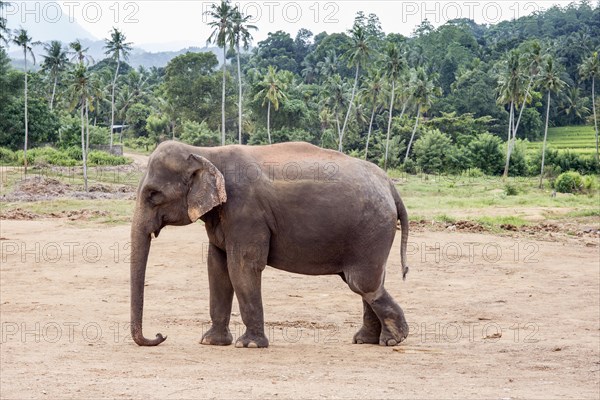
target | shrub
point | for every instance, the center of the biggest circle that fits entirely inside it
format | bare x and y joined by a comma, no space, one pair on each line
431,151
7,156
410,167
96,157
518,161
485,152
199,134
510,189
569,182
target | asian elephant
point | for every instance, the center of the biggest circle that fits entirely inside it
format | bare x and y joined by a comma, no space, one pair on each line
292,206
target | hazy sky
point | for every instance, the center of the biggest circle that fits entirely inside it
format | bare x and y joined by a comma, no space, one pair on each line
159,25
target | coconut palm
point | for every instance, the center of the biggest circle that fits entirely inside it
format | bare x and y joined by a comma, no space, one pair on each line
22,39
273,90
357,55
372,94
534,58
549,80
394,64
590,69
117,48
334,99
424,90
222,16
55,61
574,105
510,85
78,53
4,31
329,66
80,93
240,36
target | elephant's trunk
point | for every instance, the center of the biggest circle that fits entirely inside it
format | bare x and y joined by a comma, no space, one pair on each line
140,247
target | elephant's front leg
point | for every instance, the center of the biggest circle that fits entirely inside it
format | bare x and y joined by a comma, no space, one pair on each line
221,298
246,264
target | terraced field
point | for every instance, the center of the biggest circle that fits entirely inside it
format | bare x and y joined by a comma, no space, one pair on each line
578,139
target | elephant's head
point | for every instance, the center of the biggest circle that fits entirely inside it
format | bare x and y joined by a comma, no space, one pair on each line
177,189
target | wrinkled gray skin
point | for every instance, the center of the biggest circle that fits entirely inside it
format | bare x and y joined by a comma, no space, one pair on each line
292,206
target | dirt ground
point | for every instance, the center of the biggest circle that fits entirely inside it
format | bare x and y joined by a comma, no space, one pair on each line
490,316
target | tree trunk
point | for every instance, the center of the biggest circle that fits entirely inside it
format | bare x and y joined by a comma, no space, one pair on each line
87,128
240,95
349,106
140,247
389,128
369,133
26,117
53,92
112,105
516,127
85,182
269,121
595,116
509,142
223,97
545,136
412,136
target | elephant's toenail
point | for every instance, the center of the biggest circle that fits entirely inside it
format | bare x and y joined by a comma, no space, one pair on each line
392,342
252,345
239,344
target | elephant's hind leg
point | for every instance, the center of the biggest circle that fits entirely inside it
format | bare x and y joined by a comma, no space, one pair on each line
378,306
221,298
394,328
371,329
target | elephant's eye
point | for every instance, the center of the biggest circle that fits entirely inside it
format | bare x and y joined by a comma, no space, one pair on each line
155,197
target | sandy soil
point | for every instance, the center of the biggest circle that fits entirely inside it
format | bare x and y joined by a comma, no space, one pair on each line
491,317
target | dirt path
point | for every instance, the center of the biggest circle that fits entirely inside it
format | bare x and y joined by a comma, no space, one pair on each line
491,317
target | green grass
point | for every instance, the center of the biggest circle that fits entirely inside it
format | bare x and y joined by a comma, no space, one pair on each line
484,200
578,139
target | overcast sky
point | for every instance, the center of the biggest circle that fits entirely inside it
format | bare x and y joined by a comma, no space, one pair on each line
162,25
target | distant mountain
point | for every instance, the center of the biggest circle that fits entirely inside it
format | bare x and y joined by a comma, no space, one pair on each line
138,57
67,31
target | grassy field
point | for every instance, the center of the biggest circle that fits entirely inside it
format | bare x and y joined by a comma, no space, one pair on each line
428,197
578,139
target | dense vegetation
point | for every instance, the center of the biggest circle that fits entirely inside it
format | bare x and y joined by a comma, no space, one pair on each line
440,101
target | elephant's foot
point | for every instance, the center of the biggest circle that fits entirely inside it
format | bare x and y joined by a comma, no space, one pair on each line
252,340
366,335
217,337
393,332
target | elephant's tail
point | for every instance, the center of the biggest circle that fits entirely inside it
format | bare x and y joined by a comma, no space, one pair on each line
403,217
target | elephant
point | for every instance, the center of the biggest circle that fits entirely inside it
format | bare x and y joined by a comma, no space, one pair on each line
293,206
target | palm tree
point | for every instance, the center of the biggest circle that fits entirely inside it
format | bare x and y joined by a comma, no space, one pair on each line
371,94
80,90
329,66
550,81
55,61
574,105
394,64
78,53
4,32
117,48
590,69
222,16
536,58
240,36
22,39
358,55
334,99
424,91
274,86
509,87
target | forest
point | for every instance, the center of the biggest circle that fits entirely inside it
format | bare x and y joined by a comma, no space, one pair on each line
459,97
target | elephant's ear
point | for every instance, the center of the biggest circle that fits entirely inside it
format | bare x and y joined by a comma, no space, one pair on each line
207,187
